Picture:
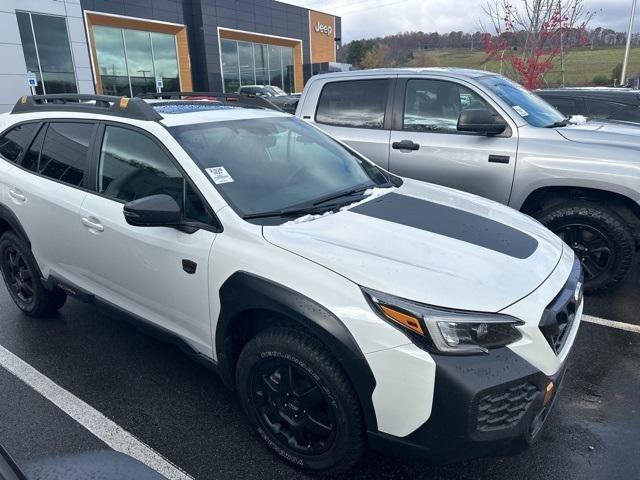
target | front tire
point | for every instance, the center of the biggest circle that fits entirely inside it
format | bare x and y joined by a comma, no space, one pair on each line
22,278
600,238
300,401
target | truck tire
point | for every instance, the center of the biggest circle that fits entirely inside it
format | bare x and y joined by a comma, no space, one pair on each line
300,402
601,239
22,278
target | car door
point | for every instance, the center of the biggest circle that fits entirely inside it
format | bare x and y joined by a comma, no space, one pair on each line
426,145
156,273
45,192
355,112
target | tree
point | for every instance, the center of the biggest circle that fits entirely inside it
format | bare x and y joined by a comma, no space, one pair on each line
379,56
529,38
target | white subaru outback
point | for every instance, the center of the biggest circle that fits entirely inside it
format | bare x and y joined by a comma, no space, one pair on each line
347,306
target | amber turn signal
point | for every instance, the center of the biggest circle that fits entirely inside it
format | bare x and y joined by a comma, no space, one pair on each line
548,394
408,321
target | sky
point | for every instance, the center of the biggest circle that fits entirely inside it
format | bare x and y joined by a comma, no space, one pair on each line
373,18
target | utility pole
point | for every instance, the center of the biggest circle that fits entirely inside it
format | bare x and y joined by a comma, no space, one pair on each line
623,78
562,42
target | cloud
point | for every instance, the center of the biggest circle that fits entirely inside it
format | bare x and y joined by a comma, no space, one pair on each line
374,18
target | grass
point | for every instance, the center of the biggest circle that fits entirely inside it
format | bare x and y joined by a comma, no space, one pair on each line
581,65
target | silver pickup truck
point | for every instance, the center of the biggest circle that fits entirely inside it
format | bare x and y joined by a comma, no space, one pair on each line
484,134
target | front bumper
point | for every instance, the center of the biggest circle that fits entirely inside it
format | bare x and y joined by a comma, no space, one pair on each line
482,406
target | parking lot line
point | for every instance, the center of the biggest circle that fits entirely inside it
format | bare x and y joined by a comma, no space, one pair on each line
610,323
106,430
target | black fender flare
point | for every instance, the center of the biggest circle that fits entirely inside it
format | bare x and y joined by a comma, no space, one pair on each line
245,291
8,216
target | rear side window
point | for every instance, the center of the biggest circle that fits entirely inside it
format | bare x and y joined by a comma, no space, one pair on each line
357,104
64,153
567,106
32,157
16,140
603,108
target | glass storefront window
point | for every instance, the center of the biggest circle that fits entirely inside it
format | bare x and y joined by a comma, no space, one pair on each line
230,67
275,65
47,52
246,63
247,66
130,60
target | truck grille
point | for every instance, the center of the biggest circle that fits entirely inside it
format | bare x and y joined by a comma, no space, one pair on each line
560,314
506,408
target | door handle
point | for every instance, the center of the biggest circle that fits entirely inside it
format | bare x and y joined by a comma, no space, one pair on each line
405,145
92,224
17,195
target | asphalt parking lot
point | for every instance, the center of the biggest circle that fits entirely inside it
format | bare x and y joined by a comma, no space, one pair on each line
182,411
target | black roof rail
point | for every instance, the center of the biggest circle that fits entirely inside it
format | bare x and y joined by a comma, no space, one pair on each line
132,108
239,99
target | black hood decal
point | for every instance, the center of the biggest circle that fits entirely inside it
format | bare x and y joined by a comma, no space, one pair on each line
450,222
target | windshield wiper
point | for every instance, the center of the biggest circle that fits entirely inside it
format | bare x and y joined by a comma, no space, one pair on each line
350,192
292,212
561,123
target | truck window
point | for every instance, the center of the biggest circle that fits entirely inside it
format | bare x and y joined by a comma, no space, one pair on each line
435,105
356,103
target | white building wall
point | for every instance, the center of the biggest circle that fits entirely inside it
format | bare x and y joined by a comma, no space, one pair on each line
13,70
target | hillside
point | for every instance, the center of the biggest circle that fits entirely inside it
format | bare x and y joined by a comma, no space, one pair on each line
581,65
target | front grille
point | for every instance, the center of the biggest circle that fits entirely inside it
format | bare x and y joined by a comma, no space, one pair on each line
560,314
506,408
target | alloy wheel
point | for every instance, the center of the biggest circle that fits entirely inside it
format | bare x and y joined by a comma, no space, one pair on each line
18,274
293,408
592,246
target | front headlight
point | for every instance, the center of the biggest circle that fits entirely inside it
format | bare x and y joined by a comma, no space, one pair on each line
447,331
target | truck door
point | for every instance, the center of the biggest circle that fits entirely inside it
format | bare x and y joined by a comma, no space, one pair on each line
426,145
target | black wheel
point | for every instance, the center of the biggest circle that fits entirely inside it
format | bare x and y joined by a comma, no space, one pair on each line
300,401
20,273
600,238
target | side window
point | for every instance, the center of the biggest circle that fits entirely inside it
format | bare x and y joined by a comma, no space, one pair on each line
16,140
133,166
566,106
435,105
64,152
357,103
32,157
602,108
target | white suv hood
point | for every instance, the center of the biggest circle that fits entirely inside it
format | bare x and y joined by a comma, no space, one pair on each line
430,244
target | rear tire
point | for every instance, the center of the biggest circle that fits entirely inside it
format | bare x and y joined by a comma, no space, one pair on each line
300,401
22,278
601,239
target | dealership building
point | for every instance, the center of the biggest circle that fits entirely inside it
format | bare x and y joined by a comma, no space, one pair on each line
128,47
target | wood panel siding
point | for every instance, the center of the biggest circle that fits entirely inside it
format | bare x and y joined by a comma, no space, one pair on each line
180,32
323,44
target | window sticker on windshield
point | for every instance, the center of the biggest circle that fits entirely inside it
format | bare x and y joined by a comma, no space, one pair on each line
219,175
520,110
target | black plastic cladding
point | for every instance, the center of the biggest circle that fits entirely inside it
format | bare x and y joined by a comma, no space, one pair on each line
243,292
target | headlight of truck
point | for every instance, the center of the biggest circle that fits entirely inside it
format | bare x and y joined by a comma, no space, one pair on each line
446,331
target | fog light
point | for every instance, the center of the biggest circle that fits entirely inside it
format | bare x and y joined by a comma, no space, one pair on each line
548,394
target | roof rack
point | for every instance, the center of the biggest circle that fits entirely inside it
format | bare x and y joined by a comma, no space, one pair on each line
133,108
239,99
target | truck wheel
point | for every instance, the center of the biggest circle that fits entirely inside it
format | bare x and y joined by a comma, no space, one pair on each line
600,238
300,402
22,278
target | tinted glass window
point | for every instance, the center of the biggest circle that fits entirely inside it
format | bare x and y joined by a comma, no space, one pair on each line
568,106
434,106
16,140
358,103
64,153
32,157
133,166
628,114
273,163
533,109
47,52
602,108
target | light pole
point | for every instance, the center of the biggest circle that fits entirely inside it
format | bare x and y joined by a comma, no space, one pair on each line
623,78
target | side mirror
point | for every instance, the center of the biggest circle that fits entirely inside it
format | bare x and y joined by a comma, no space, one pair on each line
482,121
153,211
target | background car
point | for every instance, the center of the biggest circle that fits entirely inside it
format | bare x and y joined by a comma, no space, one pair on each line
274,94
621,104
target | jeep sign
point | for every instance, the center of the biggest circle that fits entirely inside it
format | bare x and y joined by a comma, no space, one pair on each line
321,28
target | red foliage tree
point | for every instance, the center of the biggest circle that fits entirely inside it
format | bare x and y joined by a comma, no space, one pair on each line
530,39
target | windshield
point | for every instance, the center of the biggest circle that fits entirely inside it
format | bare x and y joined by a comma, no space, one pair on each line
533,109
267,164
